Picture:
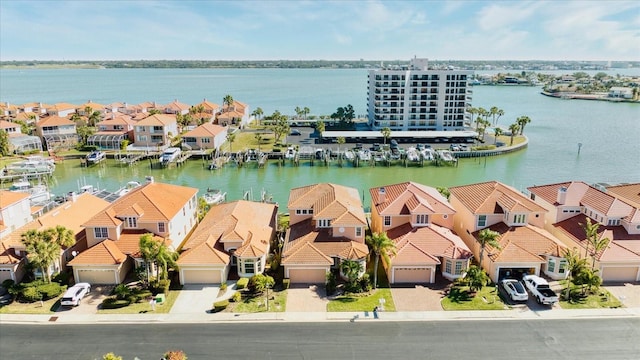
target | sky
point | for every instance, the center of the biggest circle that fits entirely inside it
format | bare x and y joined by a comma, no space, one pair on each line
319,30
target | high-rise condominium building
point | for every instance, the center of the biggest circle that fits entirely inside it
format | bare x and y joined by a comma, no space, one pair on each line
415,97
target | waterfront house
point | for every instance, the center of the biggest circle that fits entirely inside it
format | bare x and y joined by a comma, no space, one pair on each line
61,109
112,132
29,118
155,131
8,111
209,107
20,143
57,132
176,107
15,211
237,113
617,213
232,236
168,212
205,136
82,109
525,246
71,214
419,220
621,92
326,226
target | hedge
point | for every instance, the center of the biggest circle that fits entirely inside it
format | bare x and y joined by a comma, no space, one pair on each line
237,297
220,305
113,303
49,291
242,283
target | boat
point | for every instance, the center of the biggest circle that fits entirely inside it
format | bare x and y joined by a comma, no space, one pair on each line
37,193
427,154
446,155
170,155
30,166
252,155
349,155
364,155
290,154
130,186
214,197
95,157
413,154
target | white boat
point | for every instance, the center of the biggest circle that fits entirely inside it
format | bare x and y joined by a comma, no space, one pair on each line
37,193
252,155
30,167
413,154
214,197
364,155
170,155
446,155
130,186
427,154
349,155
95,157
290,154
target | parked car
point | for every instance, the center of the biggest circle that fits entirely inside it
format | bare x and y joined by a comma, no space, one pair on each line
463,147
540,290
514,289
73,296
454,147
295,132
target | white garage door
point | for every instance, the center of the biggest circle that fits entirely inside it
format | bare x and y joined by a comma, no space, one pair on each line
619,274
5,274
307,276
107,277
201,277
412,275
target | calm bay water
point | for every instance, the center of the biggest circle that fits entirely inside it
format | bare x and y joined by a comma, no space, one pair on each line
609,132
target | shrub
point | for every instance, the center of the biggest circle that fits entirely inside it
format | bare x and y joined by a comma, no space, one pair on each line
220,305
7,284
121,291
331,283
237,297
175,355
30,294
61,278
49,291
286,283
223,286
365,283
160,286
259,282
111,356
113,303
242,283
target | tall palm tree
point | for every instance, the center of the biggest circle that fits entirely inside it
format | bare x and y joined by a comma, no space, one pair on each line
351,269
227,100
386,133
320,127
487,237
574,265
63,236
514,128
473,111
496,132
596,242
341,140
500,113
149,249
299,111
591,232
493,111
380,246
306,112
258,137
257,113
231,137
522,121
165,259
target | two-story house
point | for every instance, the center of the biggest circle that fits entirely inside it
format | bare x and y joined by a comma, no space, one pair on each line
326,226
155,130
419,220
83,110
57,132
205,136
112,132
61,109
617,213
20,143
237,113
525,246
168,212
234,235
15,211
176,107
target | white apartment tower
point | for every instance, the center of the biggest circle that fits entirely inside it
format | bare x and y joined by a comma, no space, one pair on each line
415,97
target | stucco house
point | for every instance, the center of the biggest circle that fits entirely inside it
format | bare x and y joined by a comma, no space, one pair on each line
621,92
82,109
205,136
168,212
61,109
57,132
525,246
176,107
326,226
155,130
71,215
237,113
235,235
20,143
112,132
15,211
617,211
420,221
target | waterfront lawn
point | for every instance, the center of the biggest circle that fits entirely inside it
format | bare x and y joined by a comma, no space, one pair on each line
46,307
362,302
254,304
460,298
247,140
144,306
602,299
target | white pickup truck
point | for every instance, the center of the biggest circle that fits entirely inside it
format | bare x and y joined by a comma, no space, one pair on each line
540,290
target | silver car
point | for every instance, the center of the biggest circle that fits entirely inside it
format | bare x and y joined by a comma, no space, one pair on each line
74,294
514,289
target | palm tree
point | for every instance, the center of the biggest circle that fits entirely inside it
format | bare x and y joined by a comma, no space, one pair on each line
500,113
306,112
299,112
165,259
597,243
63,236
43,253
386,133
574,265
496,132
473,111
380,246
514,128
258,137
227,100
231,137
493,111
320,127
476,277
351,269
522,121
149,249
487,237
257,113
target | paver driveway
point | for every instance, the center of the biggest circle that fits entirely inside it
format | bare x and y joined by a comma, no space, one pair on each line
195,299
627,293
418,297
307,298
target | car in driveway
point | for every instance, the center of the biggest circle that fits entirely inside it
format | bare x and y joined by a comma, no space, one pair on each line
295,132
73,296
514,289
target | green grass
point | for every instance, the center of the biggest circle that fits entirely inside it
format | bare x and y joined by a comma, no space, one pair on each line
460,298
278,303
46,307
602,299
362,302
144,306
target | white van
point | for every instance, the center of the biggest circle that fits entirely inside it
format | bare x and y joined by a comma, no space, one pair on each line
74,294
170,154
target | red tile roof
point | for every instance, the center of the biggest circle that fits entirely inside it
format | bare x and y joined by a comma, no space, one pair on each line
339,203
523,244
424,245
410,197
482,198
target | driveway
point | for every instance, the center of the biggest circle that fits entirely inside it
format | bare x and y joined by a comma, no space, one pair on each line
307,298
90,304
627,293
418,297
195,299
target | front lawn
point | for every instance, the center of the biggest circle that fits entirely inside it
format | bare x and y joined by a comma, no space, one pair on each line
362,302
602,299
46,307
460,298
254,304
144,306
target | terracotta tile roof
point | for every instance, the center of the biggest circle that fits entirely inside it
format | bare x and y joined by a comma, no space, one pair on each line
63,106
157,120
203,254
307,254
154,201
410,197
233,114
118,120
482,198
523,244
208,105
424,243
8,255
8,198
177,106
26,116
129,242
205,130
105,252
339,203
627,192
54,120
250,223
69,214
92,105
8,125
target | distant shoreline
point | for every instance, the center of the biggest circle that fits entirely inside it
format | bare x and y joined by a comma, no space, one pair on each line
577,96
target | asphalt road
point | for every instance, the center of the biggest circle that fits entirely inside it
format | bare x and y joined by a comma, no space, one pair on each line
611,338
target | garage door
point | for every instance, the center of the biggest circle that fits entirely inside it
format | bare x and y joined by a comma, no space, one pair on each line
619,274
411,275
5,274
307,276
201,277
97,276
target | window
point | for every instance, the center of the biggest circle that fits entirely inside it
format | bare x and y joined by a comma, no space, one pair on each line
447,267
206,140
161,227
422,219
551,265
387,221
358,231
248,266
458,268
324,223
518,218
482,220
563,266
101,233
132,222
298,211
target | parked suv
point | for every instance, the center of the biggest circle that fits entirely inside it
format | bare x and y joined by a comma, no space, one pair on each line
74,294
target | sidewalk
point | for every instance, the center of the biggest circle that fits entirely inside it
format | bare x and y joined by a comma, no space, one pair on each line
515,314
